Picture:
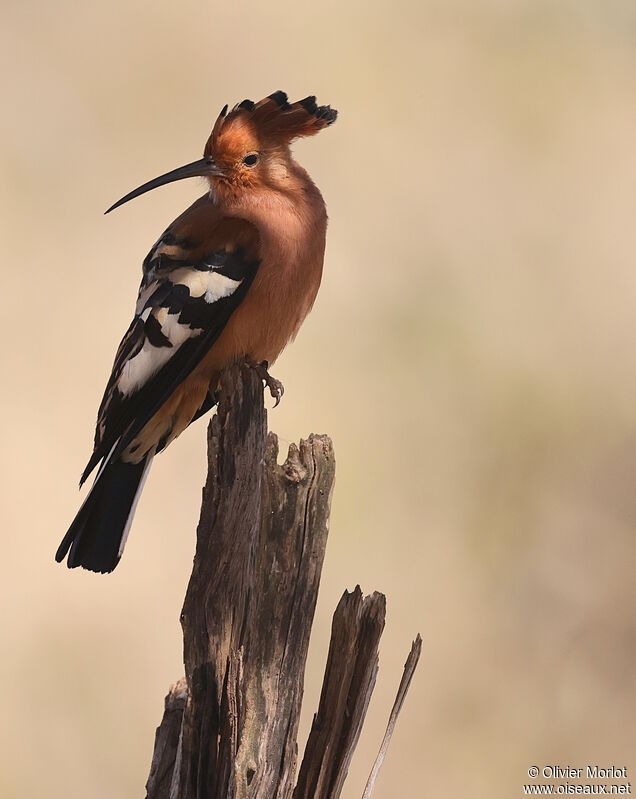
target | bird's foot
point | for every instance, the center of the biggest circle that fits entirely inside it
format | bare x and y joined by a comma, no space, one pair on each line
276,388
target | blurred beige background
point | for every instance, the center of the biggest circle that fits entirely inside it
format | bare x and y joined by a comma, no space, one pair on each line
471,353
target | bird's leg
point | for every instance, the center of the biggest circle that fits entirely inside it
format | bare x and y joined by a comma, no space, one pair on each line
276,388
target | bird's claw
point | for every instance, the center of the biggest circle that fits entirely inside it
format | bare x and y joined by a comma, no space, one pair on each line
276,388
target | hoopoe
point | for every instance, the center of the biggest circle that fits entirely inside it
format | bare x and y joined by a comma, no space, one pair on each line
232,278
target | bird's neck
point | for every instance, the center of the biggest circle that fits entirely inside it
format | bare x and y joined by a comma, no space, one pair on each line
284,213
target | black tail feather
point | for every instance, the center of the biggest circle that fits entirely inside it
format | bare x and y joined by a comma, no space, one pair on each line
95,536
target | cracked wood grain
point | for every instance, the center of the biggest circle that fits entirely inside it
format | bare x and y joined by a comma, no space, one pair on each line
250,602
167,738
352,666
229,729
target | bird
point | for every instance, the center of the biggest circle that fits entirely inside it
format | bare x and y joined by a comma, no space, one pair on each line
230,280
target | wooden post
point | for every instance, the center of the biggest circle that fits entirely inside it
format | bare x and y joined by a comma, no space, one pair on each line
229,728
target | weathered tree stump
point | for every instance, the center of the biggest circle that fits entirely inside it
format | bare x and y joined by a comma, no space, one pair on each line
229,728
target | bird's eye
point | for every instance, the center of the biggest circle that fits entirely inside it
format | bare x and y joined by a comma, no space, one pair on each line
250,159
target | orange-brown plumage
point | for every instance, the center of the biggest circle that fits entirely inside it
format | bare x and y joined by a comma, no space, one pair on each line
232,278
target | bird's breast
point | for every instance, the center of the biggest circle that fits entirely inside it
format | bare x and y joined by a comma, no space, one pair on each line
280,297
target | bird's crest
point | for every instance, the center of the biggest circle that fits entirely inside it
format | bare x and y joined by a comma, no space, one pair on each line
273,119
238,139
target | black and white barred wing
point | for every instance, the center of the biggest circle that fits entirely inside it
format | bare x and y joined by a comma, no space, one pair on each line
182,308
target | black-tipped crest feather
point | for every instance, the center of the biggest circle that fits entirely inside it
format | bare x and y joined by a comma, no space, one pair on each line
274,117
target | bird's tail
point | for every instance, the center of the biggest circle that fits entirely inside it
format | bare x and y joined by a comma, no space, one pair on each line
98,534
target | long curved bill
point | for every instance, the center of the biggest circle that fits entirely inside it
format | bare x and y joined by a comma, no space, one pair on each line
197,169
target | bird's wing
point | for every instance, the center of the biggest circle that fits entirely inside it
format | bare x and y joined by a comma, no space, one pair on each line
195,276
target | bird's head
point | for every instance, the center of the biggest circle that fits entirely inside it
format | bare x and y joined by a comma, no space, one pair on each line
249,146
